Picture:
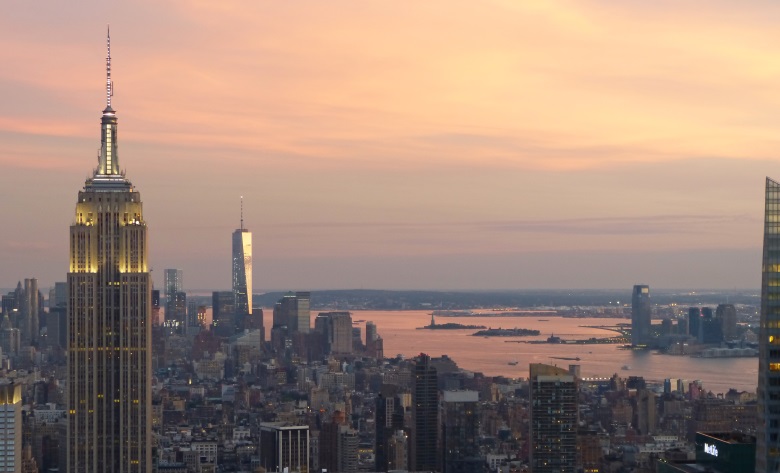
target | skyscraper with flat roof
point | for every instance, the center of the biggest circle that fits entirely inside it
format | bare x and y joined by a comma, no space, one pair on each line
727,315
640,315
174,283
553,446
460,432
10,428
425,416
242,267
768,430
109,299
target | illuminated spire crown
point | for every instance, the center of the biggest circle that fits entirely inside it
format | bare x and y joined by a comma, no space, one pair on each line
108,160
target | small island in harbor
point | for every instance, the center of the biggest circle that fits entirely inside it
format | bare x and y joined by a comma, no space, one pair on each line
507,332
451,326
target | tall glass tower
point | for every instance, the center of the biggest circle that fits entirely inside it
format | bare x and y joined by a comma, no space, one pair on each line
242,267
768,431
641,313
109,342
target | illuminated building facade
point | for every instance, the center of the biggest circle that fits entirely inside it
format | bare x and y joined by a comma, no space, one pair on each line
553,447
242,267
768,431
109,337
10,428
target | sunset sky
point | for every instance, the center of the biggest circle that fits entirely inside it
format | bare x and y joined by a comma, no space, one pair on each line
491,144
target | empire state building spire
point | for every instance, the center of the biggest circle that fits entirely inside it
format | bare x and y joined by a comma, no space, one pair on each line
109,298
108,161
109,84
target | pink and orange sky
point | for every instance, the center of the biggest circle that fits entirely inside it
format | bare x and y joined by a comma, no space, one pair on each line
493,144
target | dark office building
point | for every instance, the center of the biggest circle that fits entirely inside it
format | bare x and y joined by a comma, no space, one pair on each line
389,418
710,328
425,416
293,311
727,315
694,321
223,305
640,315
284,447
730,452
460,432
56,327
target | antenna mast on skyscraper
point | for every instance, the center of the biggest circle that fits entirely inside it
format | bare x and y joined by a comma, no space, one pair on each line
109,84
242,212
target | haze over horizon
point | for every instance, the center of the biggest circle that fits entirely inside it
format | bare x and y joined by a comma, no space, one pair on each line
438,145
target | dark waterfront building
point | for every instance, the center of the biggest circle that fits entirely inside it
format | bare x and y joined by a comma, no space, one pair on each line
460,432
425,416
641,313
553,435
768,431
694,321
727,314
710,328
109,300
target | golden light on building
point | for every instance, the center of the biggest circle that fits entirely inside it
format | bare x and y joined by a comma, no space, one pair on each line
109,291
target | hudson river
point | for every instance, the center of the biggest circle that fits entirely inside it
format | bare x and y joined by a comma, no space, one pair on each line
492,355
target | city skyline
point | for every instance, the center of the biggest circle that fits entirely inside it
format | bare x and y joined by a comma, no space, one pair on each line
393,146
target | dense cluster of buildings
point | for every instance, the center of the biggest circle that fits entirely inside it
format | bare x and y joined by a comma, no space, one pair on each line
700,328
107,375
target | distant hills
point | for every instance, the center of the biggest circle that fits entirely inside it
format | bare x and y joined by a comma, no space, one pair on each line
375,299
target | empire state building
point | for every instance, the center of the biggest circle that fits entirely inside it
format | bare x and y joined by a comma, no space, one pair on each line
109,332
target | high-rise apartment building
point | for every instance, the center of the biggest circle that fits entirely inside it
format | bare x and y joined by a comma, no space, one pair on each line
640,315
109,299
10,428
553,447
425,416
768,431
242,267
174,282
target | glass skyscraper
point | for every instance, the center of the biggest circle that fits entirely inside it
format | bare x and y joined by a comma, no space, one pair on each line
242,268
641,313
768,430
109,329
